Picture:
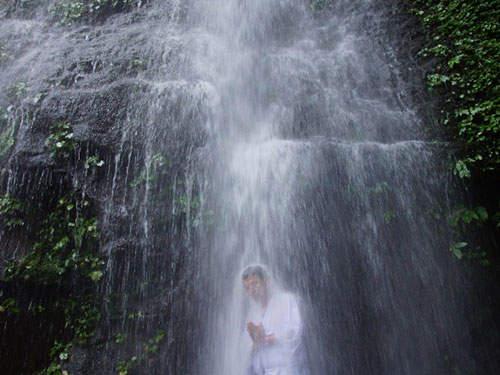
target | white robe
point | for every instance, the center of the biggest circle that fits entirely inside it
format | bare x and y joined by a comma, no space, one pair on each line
281,318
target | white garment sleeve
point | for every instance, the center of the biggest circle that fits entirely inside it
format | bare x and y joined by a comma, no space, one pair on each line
291,336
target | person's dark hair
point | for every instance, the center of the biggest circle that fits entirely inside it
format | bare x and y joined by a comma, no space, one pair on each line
256,269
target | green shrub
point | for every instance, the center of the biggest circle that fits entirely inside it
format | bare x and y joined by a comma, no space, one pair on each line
465,45
465,41
64,244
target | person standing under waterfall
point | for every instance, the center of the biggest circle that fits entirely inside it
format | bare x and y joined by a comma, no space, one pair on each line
276,333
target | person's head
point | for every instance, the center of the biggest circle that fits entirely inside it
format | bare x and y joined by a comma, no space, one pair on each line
256,283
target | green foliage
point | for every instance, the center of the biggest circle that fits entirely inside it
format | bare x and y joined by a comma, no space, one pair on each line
479,256
17,7
120,338
63,250
9,305
137,65
37,309
379,188
467,215
16,91
4,54
9,204
93,162
68,13
187,204
97,5
81,318
13,116
58,353
63,244
496,217
156,165
62,254
59,350
123,367
95,275
466,44
53,369
319,5
456,249
138,315
11,210
143,177
151,346
60,141
26,4
380,193
461,170
460,220
388,216
9,127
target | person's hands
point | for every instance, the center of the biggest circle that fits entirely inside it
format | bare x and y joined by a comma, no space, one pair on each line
260,333
251,329
257,333
270,339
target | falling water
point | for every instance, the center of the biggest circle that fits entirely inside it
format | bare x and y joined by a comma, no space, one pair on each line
319,171
279,132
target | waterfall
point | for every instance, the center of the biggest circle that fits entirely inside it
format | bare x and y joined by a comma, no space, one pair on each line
235,132
320,171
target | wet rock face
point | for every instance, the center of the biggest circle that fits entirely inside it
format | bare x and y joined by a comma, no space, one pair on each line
26,327
117,80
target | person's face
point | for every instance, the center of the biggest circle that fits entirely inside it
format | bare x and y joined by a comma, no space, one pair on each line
255,287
